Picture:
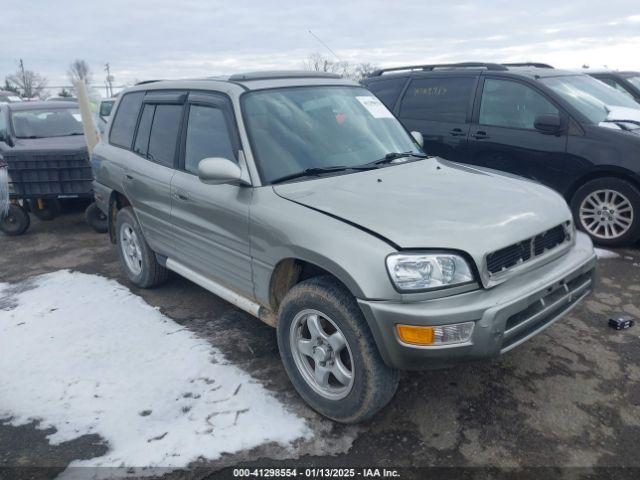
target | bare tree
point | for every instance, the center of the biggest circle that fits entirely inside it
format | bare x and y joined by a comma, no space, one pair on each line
29,83
316,62
79,70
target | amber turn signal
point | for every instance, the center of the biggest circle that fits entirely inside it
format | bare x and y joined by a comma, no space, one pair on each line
415,335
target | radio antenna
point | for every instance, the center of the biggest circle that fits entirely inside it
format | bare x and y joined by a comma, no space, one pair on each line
325,45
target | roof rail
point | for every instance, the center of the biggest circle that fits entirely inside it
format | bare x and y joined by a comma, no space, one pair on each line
144,82
488,66
277,74
528,64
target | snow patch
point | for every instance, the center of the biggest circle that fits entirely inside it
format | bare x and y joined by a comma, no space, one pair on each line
82,354
601,253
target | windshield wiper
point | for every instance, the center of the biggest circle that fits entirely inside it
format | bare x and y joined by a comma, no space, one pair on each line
309,172
390,157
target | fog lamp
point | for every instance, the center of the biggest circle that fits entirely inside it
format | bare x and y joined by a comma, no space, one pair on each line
435,335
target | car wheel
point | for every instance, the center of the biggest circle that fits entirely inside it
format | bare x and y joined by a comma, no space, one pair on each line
329,352
15,222
51,209
96,219
608,209
137,259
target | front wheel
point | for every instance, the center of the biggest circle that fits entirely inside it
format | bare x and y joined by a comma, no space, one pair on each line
15,222
608,209
329,352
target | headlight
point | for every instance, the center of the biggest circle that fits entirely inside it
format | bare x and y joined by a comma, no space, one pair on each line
420,271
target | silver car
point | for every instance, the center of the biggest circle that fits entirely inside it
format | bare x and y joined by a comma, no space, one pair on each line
299,198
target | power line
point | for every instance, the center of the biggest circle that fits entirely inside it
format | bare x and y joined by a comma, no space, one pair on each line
325,45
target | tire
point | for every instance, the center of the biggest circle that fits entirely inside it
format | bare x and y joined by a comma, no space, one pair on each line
137,259
372,383
96,219
15,222
50,209
615,226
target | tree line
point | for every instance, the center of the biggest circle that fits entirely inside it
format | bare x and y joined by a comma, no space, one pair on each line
28,83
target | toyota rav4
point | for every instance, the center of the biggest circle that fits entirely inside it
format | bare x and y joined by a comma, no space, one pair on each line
299,198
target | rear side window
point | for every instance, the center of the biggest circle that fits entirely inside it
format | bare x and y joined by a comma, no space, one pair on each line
124,123
207,136
438,99
164,134
141,144
387,90
513,105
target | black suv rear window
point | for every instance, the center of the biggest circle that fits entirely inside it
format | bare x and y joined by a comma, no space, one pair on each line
124,123
438,99
387,90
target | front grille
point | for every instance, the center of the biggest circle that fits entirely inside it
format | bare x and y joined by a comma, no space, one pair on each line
526,250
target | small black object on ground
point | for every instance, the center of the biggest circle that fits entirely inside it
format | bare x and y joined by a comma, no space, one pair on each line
621,322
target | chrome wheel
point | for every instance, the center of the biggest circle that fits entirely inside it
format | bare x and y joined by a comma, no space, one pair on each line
606,214
321,354
130,245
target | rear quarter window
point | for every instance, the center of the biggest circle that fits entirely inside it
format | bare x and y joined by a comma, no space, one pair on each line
387,90
438,99
125,120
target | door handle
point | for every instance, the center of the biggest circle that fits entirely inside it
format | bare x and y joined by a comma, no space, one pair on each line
180,195
456,132
480,135
129,177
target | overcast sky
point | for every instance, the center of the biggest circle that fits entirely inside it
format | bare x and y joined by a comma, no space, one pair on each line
186,38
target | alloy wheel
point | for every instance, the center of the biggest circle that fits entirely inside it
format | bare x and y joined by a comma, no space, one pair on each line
321,354
131,251
606,214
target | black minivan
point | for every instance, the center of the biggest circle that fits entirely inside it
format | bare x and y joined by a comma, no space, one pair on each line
564,129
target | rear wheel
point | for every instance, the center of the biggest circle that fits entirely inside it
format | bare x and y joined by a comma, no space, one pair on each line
45,209
329,352
96,219
15,222
608,209
137,259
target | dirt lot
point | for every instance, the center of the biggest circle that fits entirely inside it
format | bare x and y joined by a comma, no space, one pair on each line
569,397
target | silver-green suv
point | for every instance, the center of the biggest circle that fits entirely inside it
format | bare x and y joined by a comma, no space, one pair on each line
299,198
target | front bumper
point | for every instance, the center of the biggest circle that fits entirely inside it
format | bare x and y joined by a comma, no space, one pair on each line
505,316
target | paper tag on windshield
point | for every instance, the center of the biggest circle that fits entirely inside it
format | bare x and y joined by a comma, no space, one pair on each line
375,107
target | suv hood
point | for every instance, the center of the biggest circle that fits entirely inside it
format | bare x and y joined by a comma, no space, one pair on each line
436,204
73,142
622,118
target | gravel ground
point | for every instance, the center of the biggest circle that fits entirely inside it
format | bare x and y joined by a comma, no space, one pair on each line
570,397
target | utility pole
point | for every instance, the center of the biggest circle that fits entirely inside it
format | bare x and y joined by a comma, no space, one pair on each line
24,80
109,89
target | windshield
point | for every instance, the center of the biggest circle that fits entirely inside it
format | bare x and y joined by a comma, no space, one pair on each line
47,122
588,95
635,80
294,129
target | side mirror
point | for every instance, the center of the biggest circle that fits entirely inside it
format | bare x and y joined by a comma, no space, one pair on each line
548,123
215,171
417,136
